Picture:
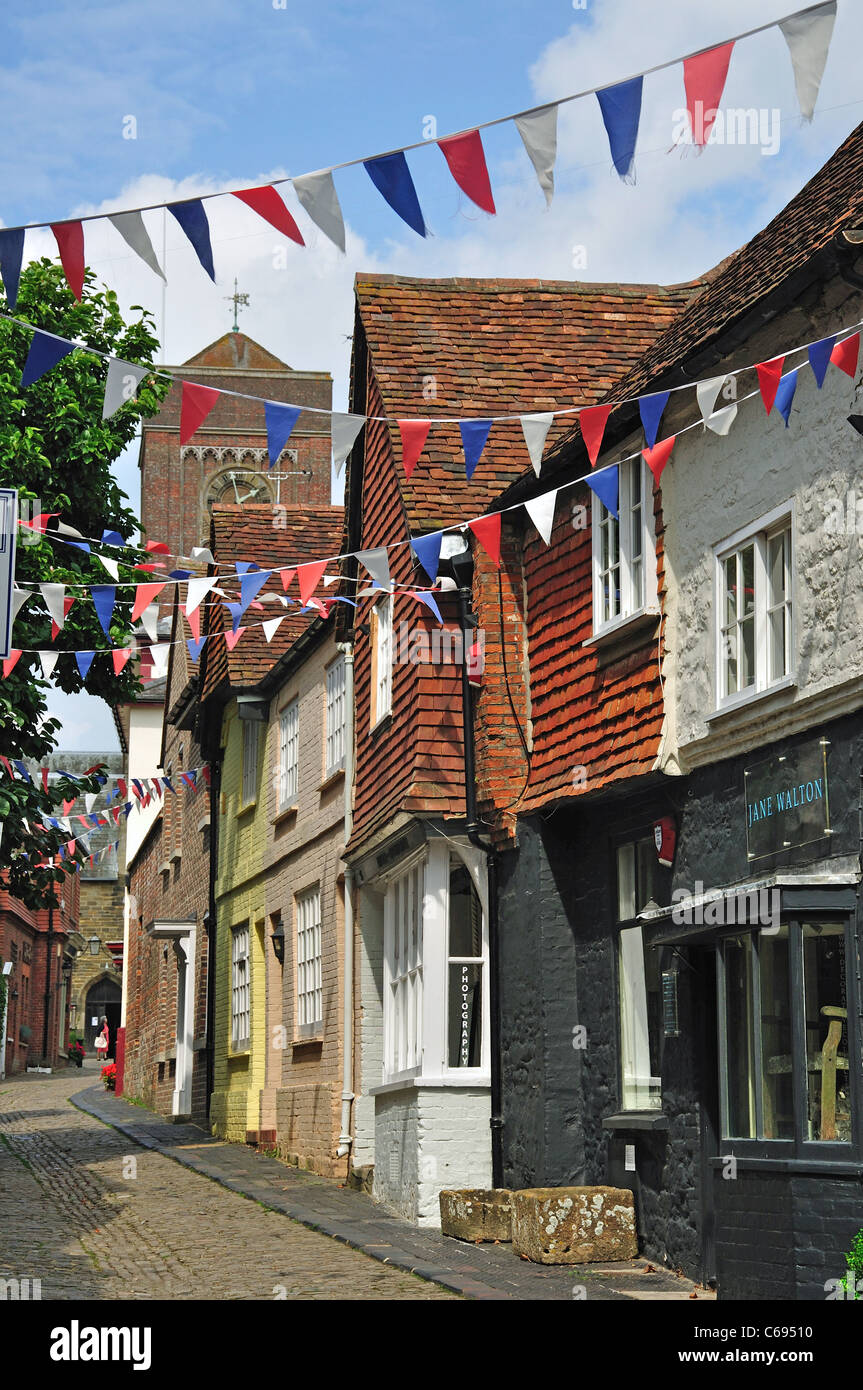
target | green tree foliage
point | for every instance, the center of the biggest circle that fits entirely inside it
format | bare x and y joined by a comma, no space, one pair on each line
56,449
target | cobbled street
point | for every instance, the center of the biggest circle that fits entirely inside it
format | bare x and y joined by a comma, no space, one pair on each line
95,1217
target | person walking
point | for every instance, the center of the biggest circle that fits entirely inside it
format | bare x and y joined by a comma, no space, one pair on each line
103,1041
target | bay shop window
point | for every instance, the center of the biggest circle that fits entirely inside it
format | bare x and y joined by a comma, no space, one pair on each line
435,1006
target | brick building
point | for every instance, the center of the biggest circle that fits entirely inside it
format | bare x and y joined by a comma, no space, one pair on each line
38,945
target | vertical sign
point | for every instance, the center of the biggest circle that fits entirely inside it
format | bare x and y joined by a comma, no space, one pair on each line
8,527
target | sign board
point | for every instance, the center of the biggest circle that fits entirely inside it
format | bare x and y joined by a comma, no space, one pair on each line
8,533
786,800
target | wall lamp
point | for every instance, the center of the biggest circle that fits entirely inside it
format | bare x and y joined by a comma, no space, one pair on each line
278,940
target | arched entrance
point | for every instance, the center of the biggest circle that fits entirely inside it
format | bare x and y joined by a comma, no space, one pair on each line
103,999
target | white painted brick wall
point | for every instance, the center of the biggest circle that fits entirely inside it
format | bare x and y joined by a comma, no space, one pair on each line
427,1139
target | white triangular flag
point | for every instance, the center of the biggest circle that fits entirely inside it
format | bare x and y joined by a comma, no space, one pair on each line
111,566
329,579
541,512
378,565
271,626
317,193
198,590
707,393
344,430
89,801
131,227
49,661
538,130
53,594
720,421
121,385
160,652
64,821
535,428
202,553
808,37
150,619
19,598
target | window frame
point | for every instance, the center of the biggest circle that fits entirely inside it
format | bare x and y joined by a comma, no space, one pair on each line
288,784
249,767
242,930
333,700
306,1028
601,518
381,700
634,843
759,534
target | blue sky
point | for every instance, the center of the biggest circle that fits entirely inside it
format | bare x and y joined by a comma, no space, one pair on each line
226,93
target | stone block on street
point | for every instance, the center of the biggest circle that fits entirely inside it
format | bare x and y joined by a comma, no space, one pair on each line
574,1225
476,1213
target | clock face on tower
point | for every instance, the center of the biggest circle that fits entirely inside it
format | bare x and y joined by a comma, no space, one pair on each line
236,486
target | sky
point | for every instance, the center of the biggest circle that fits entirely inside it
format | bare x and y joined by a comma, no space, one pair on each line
227,94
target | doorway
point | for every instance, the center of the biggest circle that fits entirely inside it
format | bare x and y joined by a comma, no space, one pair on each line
102,1001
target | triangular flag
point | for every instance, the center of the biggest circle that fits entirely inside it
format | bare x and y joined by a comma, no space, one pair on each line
11,256
236,611
70,243
845,354
474,434
541,512
267,203
112,566
103,601
785,395
621,111
121,385
150,621
605,484
144,596
48,661
197,590
202,554
119,657
535,428
19,598
707,393
317,194
194,621
392,178
280,420
414,434
11,659
308,577
232,638
45,352
250,585
808,37
193,219
195,406
196,646
720,421
286,577
466,159
430,602
112,538
378,565
487,531
160,652
344,430
819,358
538,131
769,374
85,661
271,627
657,457
89,801
650,409
67,604
427,551
592,420
158,547
704,80
131,227
53,594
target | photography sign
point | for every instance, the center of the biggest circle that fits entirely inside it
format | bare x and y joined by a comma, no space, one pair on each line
787,804
8,525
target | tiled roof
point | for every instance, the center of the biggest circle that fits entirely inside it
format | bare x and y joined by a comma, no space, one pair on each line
249,533
464,348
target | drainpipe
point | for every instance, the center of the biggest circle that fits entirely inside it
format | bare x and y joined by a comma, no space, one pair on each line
467,623
210,922
345,1138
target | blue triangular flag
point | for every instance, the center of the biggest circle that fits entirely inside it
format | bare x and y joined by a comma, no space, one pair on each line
605,485
195,648
650,408
193,220
166,782
392,178
430,602
85,661
280,421
22,768
112,538
474,434
236,611
251,584
427,551
180,574
103,602
785,395
621,110
819,358
11,256
45,352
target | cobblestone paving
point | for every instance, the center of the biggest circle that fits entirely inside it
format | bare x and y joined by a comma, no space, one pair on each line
94,1217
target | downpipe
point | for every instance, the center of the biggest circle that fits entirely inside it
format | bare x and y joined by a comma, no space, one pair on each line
345,1137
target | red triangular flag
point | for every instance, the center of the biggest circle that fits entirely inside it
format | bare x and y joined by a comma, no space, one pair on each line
67,806
286,577
195,406
144,597
232,638
487,531
122,788
44,772
119,657
67,604
593,420
414,434
70,243
845,354
205,773
8,766
308,576
466,159
657,457
704,80
267,203
157,548
194,621
11,660
769,376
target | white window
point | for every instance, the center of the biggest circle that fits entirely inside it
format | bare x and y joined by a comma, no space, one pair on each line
336,712
310,1003
240,999
755,616
640,983
289,754
623,580
382,618
464,969
250,760
403,949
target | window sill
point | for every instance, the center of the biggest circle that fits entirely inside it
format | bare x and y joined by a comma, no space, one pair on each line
383,723
743,702
249,806
239,1052
314,1040
165,868
478,1080
331,778
637,1119
176,857
204,824
633,625
285,814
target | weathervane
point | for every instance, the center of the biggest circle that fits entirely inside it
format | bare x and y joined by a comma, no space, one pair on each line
239,301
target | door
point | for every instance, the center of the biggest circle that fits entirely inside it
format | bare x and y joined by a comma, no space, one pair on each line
103,1000
707,1052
